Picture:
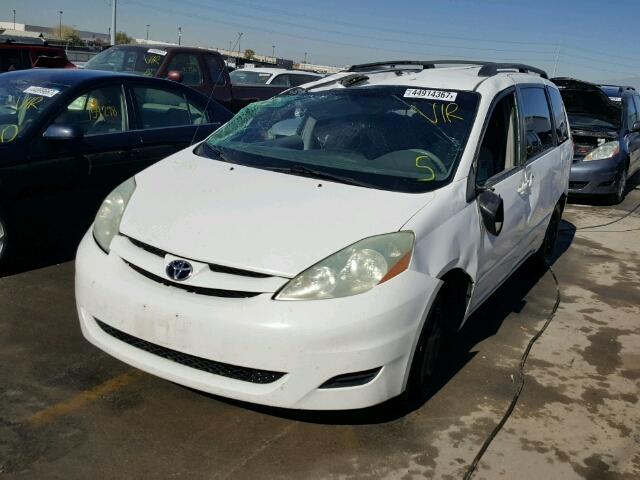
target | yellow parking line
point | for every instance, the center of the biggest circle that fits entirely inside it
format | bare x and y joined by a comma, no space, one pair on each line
83,398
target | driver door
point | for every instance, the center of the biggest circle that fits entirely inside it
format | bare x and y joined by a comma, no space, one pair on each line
91,166
498,168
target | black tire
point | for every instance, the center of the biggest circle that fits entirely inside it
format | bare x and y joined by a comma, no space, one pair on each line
545,253
4,240
621,188
425,359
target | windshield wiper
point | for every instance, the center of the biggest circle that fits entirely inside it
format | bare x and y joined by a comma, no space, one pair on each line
319,174
217,153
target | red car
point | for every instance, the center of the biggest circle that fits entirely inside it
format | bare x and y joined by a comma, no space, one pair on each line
21,56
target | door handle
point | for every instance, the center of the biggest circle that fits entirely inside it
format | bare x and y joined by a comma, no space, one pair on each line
526,184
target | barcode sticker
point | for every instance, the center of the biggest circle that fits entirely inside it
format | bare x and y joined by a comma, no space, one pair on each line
441,95
155,51
42,91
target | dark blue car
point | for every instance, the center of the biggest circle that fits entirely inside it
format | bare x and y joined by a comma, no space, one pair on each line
68,137
605,125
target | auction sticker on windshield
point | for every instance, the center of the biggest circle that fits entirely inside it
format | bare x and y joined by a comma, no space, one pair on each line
156,51
42,91
441,95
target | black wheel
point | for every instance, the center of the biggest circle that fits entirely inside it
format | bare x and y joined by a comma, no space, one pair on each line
425,358
547,249
4,240
621,188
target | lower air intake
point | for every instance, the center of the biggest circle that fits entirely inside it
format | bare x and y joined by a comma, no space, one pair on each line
244,374
351,379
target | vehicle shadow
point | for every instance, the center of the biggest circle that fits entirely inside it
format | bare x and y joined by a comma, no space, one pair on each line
485,322
45,242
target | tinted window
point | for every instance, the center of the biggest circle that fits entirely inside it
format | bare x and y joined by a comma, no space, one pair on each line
189,66
559,115
13,59
281,81
636,98
296,80
161,108
537,120
391,138
248,77
499,148
216,69
632,112
98,112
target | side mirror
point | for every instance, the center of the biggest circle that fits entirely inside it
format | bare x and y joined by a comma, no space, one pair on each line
62,132
492,211
636,127
175,75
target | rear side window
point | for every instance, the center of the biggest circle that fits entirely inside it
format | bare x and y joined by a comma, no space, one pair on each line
559,115
216,71
537,121
297,80
161,108
281,81
189,66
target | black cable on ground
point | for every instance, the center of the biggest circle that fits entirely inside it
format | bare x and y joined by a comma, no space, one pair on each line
627,214
523,360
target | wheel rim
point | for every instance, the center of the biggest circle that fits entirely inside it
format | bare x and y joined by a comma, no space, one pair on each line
3,236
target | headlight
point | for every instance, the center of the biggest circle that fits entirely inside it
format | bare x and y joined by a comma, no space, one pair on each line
107,222
355,269
606,150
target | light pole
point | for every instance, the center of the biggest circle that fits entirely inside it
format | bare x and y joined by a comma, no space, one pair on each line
305,58
239,40
273,51
14,19
179,36
113,22
148,31
60,23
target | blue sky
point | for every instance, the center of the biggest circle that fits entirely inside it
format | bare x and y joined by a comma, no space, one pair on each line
594,40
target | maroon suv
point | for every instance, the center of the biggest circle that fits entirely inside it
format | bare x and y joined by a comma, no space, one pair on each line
198,68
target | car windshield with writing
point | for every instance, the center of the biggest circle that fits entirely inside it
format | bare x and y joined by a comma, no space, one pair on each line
244,77
128,59
390,138
22,101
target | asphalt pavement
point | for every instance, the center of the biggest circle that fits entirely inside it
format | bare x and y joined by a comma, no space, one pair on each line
69,411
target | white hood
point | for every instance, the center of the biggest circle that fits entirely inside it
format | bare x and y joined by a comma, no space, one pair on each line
243,217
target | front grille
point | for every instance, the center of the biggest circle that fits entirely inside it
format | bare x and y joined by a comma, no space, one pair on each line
212,266
217,368
213,292
577,185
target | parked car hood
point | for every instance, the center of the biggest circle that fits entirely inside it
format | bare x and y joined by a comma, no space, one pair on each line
215,212
583,99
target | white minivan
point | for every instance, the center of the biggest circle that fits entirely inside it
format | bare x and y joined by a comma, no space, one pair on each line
313,252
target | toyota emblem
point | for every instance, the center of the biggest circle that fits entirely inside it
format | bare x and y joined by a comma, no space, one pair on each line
179,270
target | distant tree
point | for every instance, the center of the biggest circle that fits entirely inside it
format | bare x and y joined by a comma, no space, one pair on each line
123,38
68,34
249,54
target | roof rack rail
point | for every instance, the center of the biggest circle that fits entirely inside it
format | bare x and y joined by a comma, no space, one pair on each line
488,68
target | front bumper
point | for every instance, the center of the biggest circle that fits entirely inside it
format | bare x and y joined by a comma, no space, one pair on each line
597,177
310,341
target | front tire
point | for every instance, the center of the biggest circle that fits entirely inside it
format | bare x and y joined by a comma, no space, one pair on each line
621,188
4,240
425,359
546,251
